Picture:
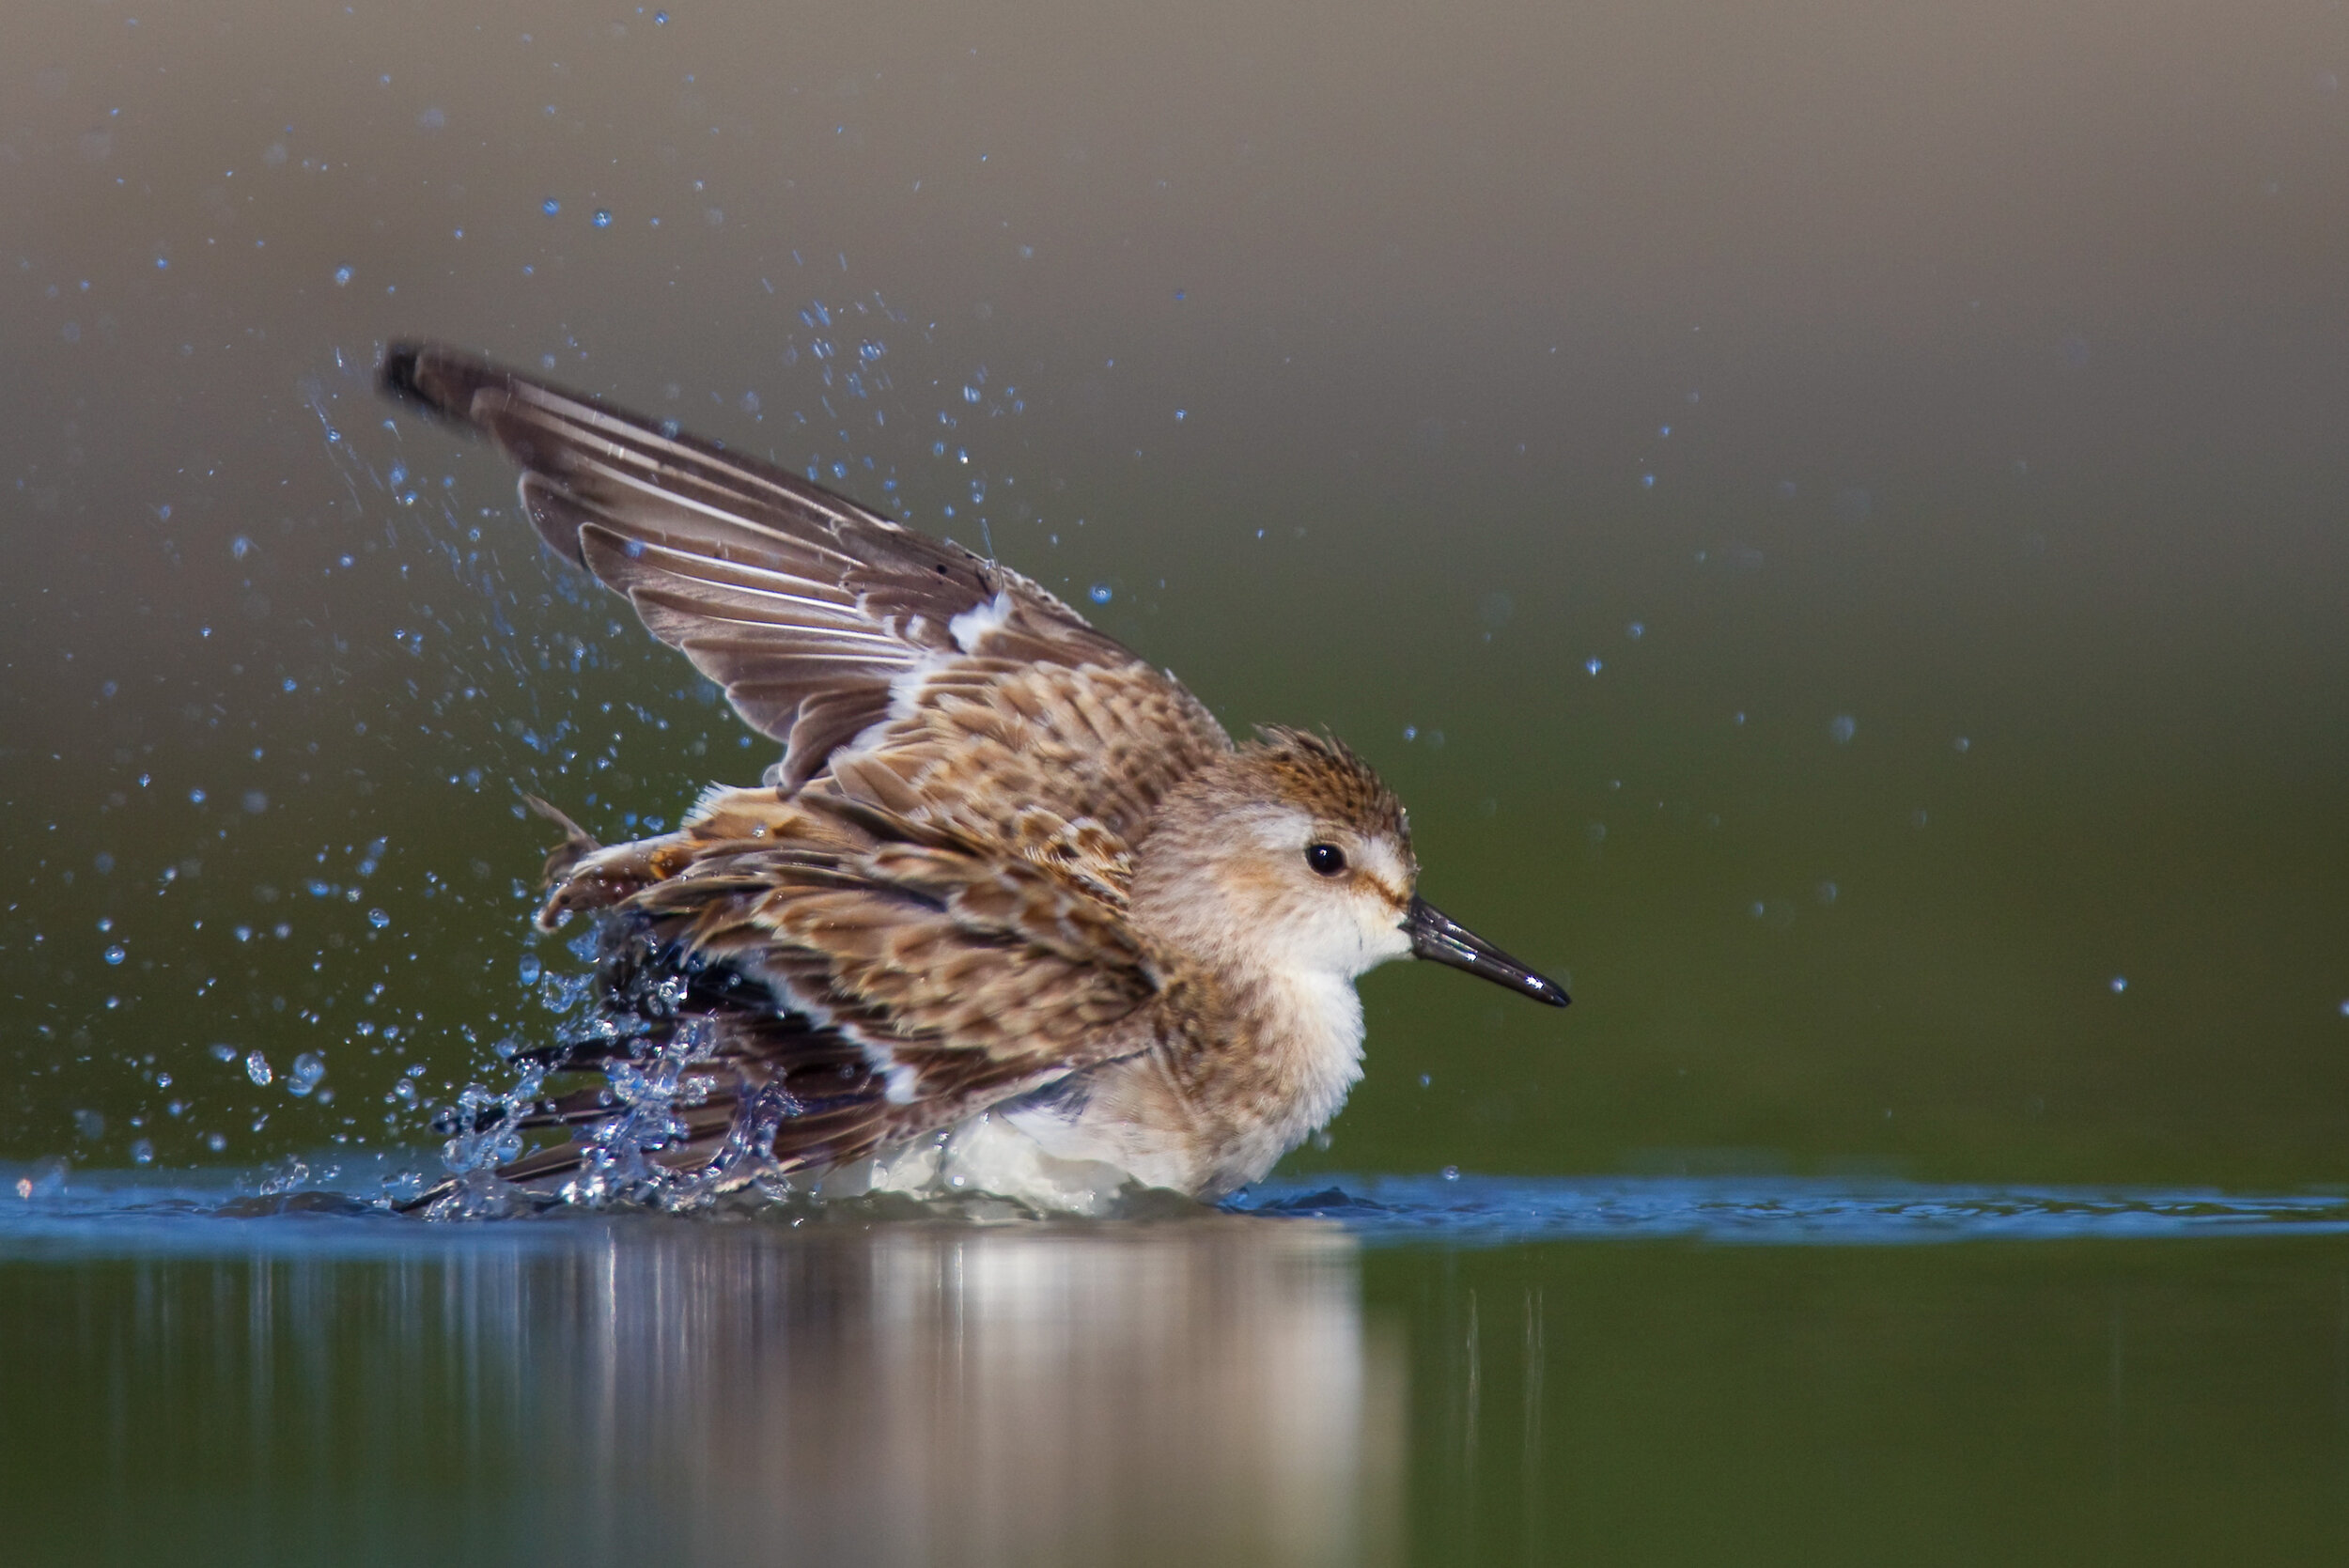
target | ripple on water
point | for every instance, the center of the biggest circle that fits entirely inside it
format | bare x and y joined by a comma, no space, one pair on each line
45,1208
1470,1210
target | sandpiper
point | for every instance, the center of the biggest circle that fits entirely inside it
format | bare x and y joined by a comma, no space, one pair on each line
1012,914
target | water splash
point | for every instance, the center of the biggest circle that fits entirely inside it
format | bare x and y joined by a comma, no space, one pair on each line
647,1055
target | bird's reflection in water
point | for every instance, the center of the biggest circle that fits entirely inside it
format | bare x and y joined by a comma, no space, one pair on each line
1200,1390
1183,1392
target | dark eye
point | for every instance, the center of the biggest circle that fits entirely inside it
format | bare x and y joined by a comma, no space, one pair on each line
1327,859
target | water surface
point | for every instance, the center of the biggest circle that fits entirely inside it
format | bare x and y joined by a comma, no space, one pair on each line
1443,1371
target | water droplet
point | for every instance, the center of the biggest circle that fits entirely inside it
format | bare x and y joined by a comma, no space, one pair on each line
1964,745
257,1068
530,969
1636,630
255,802
1100,593
116,953
378,918
602,217
215,1141
1841,728
196,797
342,277
660,19
1593,665
142,1152
307,1069
550,207
240,547
2120,983
224,1053
1181,414
1451,1173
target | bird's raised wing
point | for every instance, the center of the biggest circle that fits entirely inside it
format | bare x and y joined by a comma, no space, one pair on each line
831,627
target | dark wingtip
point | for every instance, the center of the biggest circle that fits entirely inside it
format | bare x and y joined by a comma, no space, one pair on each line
435,380
397,372
398,376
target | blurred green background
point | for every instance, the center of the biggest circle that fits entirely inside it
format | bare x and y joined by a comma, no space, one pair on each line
1831,518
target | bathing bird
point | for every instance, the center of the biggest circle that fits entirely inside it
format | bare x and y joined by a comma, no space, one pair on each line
1011,914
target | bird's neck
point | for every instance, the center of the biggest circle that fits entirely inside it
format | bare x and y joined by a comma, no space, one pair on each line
1265,1059
1309,1029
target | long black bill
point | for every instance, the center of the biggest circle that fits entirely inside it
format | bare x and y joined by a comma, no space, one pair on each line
1438,936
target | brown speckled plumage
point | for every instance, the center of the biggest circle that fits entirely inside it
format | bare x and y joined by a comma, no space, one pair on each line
1004,866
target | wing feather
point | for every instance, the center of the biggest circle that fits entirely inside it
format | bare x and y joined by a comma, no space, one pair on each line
825,622
953,965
